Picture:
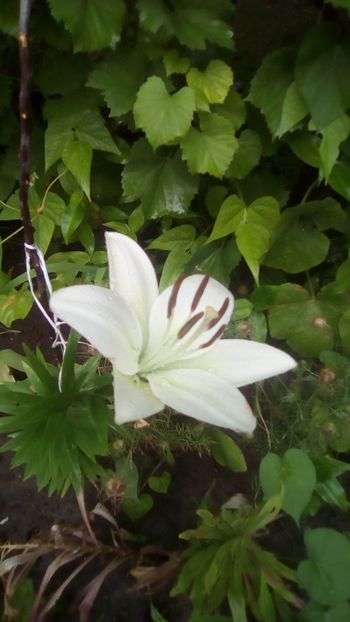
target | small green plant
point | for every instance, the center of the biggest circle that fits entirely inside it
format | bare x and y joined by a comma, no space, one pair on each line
224,564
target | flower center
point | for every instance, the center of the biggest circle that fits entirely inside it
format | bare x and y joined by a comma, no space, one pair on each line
195,333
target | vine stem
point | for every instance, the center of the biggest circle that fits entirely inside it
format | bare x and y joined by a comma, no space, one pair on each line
33,254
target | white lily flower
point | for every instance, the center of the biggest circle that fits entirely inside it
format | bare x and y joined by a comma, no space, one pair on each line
165,347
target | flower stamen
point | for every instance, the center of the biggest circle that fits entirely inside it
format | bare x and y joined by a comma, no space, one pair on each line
220,313
189,324
200,291
214,337
174,294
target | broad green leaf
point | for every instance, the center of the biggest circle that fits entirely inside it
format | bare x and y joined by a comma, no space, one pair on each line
332,136
77,157
73,216
174,63
214,82
15,306
260,183
339,178
163,184
275,93
94,24
253,226
211,148
163,117
44,228
173,267
233,109
324,575
118,84
180,237
308,324
228,218
214,199
299,244
160,483
322,74
195,24
295,473
72,118
225,451
317,613
136,508
344,329
220,260
247,156
344,4
306,147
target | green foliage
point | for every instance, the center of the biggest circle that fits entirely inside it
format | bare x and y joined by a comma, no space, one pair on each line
57,434
224,562
324,574
293,476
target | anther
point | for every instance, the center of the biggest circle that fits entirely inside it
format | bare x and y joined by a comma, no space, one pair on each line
174,293
189,324
214,337
200,291
220,313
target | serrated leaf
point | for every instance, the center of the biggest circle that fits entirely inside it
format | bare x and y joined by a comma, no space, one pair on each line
94,24
247,156
324,575
118,84
163,117
306,147
77,157
195,24
332,136
210,149
275,93
214,82
163,184
174,63
295,473
322,74
233,109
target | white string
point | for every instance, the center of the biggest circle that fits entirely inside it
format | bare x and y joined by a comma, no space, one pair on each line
59,339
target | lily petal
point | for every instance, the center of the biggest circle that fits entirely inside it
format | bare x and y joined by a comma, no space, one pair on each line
133,398
170,312
105,319
203,396
131,275
242,362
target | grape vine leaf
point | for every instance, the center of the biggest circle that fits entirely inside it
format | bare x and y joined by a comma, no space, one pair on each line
94,24
162,183
211,148
163,117
214,82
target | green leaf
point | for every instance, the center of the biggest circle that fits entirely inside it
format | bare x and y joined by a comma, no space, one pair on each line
322,74
306,147
15,306
225,451
220,259
195,24
173,266
118,84
214,82
160,483
339,179
163,184
233,109
174,63
332,136
325,574
77,157
247,156
308,323
72,118
163,117
94,24
296,473
210,149
136,508
275,93
181,237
